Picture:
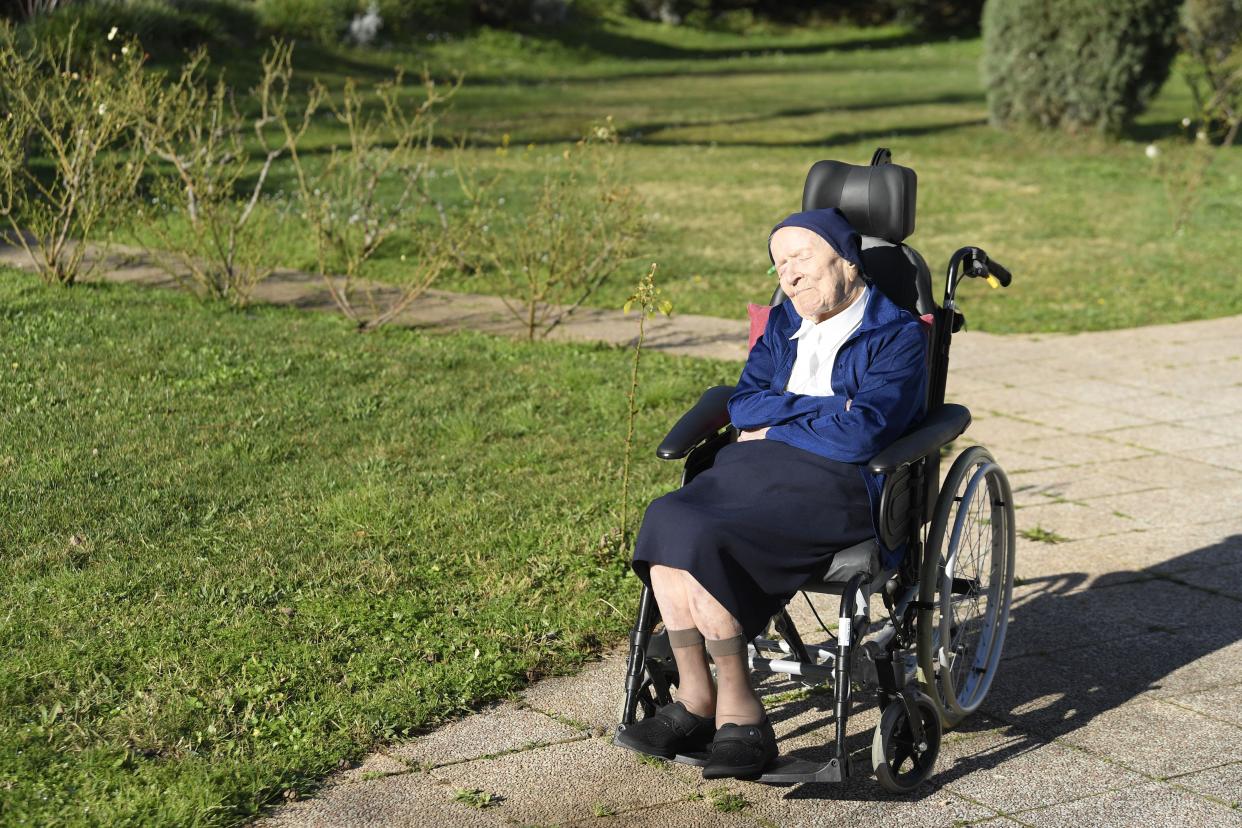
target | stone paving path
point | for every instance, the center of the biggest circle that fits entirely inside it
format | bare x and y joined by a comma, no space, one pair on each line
1119,700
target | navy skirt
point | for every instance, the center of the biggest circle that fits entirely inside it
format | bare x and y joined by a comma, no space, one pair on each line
753,527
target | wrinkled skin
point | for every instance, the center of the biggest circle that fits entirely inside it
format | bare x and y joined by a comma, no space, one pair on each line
819,282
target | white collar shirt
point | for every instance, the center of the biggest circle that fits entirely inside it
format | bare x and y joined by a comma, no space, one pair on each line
818,344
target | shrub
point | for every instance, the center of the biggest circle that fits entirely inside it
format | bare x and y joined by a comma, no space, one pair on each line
323,21
412,18
1076,64
211,219
1212,43
165,28
68,161
377,189
582,227
937,15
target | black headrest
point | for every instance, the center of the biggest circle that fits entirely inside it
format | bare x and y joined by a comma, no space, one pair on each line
877,200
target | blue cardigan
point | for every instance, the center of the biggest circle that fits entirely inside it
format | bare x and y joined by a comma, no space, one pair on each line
882,368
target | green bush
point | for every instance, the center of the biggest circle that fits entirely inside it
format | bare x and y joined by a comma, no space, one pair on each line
414,18
937,15
323,21
1076,64
165,28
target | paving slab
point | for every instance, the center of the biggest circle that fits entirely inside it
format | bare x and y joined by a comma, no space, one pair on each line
1080,418
1223,457
1151,804
862,802
504,728
1074,483
1223,783
1215,703
1225,579
1157,738
566,782
592,697
1006,768
407,799
699,813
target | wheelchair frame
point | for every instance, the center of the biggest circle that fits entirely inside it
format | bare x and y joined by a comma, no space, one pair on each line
911,466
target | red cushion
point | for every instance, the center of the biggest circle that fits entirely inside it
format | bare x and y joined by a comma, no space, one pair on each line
758,321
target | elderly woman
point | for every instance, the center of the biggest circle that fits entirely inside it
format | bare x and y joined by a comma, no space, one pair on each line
839,373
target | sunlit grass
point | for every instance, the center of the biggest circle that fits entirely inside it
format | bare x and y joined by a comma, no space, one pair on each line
721,128
239,547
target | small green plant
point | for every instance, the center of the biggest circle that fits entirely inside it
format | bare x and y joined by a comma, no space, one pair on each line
67,159
1042,535
583,226
212,225
647,298
726,801
651,761
474,797
602,809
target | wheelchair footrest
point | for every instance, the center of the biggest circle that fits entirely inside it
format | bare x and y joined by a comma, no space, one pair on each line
698,759
784,770
788,770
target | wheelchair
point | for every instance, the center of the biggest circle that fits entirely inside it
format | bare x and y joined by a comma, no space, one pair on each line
947,600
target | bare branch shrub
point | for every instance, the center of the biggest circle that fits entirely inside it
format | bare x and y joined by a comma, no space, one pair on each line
70,161
584,224
211,222
379,185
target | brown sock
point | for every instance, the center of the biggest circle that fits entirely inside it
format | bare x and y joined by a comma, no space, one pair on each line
695,689
736,702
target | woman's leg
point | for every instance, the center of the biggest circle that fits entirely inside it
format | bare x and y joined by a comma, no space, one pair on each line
695,689
736,701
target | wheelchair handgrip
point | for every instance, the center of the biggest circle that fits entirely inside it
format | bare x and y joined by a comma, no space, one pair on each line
1001,273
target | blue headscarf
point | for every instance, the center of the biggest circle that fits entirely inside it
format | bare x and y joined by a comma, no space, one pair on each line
831,226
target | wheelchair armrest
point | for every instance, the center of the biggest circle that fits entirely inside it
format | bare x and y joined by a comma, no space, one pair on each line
709,415
937,429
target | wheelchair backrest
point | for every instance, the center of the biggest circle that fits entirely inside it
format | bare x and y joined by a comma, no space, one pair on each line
879,200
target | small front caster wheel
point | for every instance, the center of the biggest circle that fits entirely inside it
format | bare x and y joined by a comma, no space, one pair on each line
901,764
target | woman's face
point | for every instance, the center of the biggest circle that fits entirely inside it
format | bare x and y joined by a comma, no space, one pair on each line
818,281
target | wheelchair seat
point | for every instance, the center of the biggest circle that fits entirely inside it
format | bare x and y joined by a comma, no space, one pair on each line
860,560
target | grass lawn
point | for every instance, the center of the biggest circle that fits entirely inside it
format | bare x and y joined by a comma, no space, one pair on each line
237,548
720,129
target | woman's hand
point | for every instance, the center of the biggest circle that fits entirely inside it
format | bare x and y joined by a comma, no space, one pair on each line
752,434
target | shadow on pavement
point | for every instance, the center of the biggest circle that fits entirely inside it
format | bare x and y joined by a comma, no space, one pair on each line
1075,650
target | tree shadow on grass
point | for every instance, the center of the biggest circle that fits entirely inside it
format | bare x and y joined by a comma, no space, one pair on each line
611,43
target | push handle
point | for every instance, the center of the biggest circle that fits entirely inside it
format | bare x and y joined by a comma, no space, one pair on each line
1001,273
979,264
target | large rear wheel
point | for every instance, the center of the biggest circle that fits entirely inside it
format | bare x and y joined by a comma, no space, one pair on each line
966,585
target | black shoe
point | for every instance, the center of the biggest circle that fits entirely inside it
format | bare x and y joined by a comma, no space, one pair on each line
741,751
672,730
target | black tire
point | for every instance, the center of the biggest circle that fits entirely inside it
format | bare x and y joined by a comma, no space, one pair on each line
900,765
966,585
